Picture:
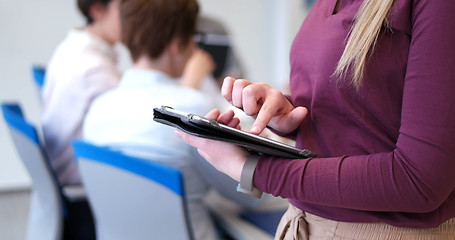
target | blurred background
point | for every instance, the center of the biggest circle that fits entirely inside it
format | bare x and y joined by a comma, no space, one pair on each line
261,32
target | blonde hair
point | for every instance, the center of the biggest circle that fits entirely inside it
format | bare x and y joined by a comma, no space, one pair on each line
362,40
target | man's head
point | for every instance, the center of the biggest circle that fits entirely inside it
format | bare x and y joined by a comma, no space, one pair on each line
85,7
150,27
103,16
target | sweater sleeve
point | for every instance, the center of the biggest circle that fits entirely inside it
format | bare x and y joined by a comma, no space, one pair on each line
417,176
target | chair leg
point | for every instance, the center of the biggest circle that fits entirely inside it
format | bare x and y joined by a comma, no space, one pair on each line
79,223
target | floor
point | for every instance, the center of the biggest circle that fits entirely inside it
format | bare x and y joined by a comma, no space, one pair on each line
14,206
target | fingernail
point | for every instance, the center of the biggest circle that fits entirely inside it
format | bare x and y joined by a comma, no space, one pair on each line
255,129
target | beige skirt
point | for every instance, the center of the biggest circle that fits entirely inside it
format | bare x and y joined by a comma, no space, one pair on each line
298,225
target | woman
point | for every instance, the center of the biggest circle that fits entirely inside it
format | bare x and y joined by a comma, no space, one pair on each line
82,67
373,95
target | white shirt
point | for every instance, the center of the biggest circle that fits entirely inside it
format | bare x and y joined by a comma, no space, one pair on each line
82,67
122,118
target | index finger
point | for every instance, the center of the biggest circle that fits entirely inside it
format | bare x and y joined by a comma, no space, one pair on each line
265,114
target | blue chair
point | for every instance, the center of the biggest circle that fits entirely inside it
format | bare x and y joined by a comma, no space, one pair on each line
38,73
132,198
55,212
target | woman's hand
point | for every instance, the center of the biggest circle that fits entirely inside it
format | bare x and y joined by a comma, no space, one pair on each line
225,157
198,66
269,106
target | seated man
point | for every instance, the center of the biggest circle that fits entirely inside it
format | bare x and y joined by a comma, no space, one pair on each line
159,36
215,41
83,66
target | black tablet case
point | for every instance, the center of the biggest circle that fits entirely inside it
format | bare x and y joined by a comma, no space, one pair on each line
184,123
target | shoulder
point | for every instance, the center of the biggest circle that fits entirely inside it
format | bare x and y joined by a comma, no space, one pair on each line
194,101
88,50
101,107
93,58
81,56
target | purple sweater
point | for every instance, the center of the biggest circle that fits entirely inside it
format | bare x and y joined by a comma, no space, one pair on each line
387,152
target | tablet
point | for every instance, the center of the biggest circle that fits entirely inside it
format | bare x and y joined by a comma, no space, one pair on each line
207,128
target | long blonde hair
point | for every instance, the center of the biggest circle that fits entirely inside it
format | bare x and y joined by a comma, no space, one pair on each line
362,40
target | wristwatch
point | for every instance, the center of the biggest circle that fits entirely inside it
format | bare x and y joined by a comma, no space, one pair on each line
246,177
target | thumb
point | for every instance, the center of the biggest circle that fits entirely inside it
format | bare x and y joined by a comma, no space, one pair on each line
295,117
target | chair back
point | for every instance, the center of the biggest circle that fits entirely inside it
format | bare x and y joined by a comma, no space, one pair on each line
132,198
46,210
38,75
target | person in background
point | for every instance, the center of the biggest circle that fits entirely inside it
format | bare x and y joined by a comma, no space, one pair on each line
214,59
83,66
212,38
372,93
159,36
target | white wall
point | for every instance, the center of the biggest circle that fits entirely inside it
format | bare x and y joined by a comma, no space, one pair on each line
262,32
29,31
